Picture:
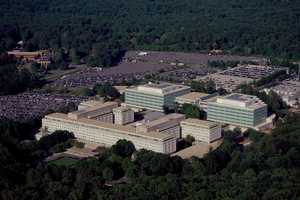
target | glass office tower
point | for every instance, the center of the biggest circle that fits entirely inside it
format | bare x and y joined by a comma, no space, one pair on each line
154,96
237,109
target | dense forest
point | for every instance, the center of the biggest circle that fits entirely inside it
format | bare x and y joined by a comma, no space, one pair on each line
268,169
101,30
14,80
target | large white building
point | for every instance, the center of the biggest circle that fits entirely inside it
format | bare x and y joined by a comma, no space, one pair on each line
154,96
238,110
106,134
201,130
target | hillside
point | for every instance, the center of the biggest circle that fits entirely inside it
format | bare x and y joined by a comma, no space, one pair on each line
107,27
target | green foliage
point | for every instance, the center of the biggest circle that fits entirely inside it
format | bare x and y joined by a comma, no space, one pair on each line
56,142
79,144
107,91
13,80
274,101
74,56
192,111
123,148
101,30
205,87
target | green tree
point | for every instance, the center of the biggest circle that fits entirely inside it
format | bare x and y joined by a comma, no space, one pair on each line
74,56
123,148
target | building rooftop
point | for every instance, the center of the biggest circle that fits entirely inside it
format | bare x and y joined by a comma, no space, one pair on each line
92,103
241,100
200,123
193,96
161,88
122,109
90,110
164,119
129,130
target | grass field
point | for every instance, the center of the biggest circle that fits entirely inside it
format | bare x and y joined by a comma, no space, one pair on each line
64,161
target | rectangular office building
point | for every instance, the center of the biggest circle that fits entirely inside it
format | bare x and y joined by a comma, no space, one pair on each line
238,110
154,96
106,134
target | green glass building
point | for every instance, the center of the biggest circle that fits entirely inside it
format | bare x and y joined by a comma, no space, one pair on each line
154,96
237,109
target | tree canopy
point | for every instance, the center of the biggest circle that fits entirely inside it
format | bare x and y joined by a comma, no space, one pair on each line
100,30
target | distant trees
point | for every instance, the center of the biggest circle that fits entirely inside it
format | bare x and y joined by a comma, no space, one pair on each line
205,87
90,31
107,91
13,80
192,111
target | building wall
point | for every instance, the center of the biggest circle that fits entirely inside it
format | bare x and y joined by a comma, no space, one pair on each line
174,130
143,100
235,116
108,137
107,118
151,101
260,115
123,117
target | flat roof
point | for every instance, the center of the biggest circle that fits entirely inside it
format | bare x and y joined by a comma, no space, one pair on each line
92,103
129,130
240,100
161,88
159,85
95,106
121,108
200,123
193,96
163,119
198,150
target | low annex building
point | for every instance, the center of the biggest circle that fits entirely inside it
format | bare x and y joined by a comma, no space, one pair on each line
201,130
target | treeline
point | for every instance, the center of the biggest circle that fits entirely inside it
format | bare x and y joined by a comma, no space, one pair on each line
14,80
267,169
101,30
